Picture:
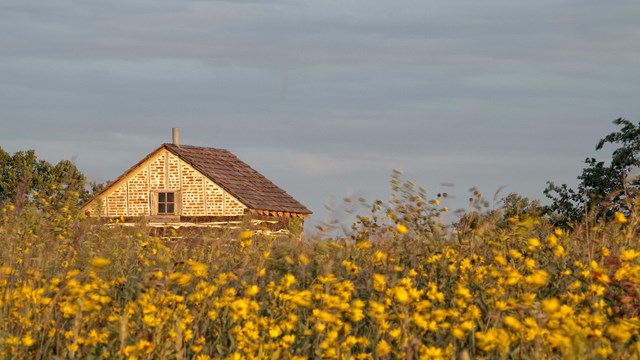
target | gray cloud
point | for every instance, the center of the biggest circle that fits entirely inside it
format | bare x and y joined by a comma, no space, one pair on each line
324,96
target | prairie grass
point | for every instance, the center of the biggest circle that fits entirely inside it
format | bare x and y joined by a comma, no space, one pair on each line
401,285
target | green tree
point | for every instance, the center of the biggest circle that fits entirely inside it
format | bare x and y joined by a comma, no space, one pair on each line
22,175
603,188
515,205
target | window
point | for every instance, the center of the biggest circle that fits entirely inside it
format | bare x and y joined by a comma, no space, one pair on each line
166,203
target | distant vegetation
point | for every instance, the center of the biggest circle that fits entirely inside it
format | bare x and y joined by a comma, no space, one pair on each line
524,281
604,187
23,177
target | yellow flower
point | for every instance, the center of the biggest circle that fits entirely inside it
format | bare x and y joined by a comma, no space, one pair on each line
350,267
500,260
463,292
324,316
539,278
198,269
13,340
262,272
379,282
512,323
550,306
501,305
302,298
383,348
604,278
530,264
252,291
458,333
627,255
100,262
401,294
27,340
488,340
432,352
275,332
180,278
288,280
356,311
402,229
596,289
515,254
552,241
379,257
465,265
620,217
621,332
361,245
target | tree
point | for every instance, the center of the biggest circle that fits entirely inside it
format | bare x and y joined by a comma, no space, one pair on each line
515,205
23,175
603,188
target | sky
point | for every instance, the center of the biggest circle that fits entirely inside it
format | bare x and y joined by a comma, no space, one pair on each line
325,97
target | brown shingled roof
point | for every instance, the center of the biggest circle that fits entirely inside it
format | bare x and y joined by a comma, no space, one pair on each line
237,178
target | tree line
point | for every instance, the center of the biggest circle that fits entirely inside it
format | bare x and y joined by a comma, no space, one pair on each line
604,187
24,177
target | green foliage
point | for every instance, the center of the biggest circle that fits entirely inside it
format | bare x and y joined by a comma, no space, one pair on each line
517,205
23,177
604,188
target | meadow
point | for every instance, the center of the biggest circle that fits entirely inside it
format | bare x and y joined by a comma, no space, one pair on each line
401,285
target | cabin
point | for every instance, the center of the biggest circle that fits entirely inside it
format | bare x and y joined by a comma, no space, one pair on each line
184,186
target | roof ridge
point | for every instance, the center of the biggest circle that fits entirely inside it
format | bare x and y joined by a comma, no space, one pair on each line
195,147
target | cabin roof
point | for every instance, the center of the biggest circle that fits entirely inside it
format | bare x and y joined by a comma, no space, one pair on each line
237,178
230,173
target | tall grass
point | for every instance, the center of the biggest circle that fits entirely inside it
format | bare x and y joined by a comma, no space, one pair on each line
401,285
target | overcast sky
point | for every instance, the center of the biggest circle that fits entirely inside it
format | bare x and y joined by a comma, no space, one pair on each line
325,98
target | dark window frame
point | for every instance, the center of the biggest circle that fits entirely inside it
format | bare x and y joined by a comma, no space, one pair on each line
166,203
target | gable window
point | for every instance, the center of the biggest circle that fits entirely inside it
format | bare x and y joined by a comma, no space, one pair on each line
166,203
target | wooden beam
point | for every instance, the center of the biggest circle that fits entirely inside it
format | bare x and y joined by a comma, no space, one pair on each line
125,177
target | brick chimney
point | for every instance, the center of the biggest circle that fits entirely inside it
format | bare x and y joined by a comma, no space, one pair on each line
176,136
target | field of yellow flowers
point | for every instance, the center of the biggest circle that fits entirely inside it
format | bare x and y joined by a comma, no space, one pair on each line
401,286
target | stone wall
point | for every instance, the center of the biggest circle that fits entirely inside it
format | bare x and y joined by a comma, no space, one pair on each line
136,195
192,192
156,169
